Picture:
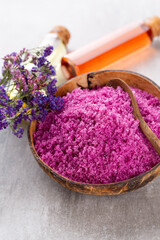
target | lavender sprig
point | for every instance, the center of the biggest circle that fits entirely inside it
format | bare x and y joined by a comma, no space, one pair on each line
27,88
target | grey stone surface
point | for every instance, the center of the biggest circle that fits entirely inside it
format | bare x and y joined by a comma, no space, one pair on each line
34,207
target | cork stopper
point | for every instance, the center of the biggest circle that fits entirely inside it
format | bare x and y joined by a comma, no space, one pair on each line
62,32
154,24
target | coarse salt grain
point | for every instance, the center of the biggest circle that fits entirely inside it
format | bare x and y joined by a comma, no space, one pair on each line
95,139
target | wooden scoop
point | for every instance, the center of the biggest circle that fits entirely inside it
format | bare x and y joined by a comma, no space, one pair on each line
154,140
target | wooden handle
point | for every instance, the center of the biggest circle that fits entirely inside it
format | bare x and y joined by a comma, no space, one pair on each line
154,140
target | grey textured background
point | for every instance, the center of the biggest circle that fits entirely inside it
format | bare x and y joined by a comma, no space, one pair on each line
34,207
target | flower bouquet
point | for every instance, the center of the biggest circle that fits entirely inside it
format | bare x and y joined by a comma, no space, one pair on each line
27,88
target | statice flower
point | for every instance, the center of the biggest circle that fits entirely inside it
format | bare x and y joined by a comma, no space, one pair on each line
48,51
27,88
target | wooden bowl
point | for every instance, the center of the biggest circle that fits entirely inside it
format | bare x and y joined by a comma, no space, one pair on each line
91,80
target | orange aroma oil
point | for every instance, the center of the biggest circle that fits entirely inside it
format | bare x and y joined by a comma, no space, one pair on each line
110,49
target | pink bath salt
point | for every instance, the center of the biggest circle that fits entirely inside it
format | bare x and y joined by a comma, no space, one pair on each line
95,139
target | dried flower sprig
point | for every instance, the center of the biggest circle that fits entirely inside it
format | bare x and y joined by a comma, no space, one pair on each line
27,88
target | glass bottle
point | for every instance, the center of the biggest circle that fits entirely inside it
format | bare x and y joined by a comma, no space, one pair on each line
58,37
110,49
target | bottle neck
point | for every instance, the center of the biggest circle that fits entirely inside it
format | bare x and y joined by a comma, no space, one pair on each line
68,68
51,39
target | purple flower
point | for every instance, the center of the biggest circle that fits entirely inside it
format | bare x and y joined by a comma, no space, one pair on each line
36,88
52,70
3,122
51,87
55,103
19,132
41,61
48,51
